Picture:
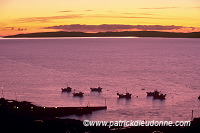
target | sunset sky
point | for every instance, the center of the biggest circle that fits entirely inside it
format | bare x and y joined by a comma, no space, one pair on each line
26,16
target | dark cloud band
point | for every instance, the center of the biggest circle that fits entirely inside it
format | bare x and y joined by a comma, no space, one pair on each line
112,27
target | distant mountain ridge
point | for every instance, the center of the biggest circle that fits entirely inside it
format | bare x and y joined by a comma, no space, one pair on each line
109,34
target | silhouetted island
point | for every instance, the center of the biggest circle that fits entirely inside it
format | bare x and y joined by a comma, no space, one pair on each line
109,34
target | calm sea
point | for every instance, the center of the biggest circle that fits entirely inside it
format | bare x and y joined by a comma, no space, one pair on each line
36,69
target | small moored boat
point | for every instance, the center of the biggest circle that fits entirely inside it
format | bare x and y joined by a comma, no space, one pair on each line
159,96
79,94
96,89
155,93
127,95
68,89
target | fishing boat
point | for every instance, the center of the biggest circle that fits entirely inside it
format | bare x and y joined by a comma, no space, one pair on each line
159,96
79,94
155,93
127,95
96,89
68,89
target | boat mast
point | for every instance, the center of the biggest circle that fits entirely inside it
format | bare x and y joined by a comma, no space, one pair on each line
15,95
192,115
2,92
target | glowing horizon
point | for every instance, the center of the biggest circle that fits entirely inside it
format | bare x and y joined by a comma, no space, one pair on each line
27,16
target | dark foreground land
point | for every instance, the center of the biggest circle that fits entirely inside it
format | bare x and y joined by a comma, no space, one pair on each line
109,34
22,121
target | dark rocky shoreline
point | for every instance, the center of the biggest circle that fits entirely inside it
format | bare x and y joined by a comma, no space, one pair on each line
27,122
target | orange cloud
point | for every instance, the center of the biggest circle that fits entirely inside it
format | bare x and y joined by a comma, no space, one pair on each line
47,19
138,13
161,8
195,7
88,10
65,11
